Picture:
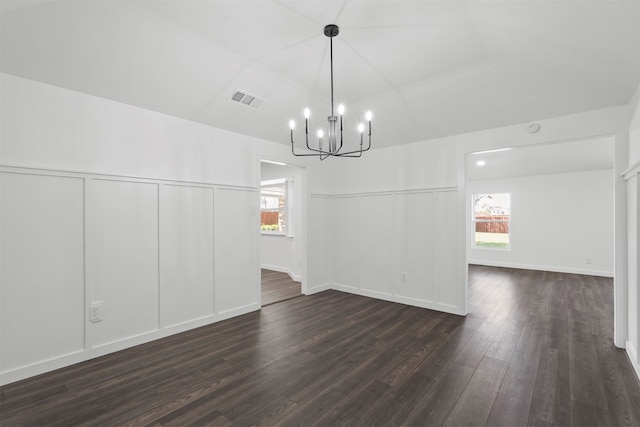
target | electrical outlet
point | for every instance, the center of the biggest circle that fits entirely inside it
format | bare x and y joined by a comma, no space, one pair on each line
95,312
403,277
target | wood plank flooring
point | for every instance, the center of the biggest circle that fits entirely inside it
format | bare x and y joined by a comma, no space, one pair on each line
536,349
278,287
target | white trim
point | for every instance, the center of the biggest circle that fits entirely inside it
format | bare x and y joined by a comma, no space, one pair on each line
274,233
113,177
431,305
294,277
386,193
392,192
273,182
632,171
64,360
318,288
543,268
633,357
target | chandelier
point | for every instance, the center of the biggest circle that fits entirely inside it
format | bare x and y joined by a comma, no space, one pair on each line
333,146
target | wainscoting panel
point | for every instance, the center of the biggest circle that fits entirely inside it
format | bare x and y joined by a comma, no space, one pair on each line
123,258
319,232
237,274
159,257
414,251
375,223
448,293
345,217
42,275
399,246
186,253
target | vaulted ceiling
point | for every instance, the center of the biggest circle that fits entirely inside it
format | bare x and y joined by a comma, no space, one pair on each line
426,69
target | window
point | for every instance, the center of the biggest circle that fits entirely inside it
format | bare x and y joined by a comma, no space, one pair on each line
491,220
273,206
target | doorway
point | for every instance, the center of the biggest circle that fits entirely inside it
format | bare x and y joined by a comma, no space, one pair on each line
553,202
282,231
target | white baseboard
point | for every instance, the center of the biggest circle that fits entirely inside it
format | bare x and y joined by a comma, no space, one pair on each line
633,357
570,270
64,360
318,288
294,277
431,305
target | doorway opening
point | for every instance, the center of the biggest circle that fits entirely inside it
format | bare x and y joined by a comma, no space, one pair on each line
554,202
560,214
282,221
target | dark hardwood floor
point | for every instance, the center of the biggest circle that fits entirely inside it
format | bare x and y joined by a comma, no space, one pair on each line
278,287
535,349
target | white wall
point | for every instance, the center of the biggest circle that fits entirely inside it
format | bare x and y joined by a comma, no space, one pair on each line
380,237
557,222
319,230
151,216
394,214
42,275
632,178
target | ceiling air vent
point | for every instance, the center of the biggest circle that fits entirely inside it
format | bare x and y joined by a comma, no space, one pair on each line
245,98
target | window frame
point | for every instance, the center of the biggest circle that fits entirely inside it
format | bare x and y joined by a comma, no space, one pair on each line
286,210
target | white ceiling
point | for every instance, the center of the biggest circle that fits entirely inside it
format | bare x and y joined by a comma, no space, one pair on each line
562,157
426,69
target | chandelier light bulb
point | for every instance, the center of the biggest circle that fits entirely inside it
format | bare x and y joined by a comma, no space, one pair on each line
307,113
360,128
320,133
292,125
341,109
368,116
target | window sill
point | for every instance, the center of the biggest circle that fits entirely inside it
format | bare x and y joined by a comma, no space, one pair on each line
488,248
276,233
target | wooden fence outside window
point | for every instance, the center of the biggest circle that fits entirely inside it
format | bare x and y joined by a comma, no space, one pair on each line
492,223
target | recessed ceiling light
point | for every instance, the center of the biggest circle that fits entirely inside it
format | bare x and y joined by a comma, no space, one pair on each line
480,163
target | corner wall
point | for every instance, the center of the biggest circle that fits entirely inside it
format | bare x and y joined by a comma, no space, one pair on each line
632,177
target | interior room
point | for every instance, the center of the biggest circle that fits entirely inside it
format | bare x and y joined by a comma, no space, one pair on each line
562,201
451,188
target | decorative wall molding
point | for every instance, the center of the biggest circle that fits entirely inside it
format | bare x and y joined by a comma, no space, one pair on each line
237,305
386,193
105,176
399,239
632,171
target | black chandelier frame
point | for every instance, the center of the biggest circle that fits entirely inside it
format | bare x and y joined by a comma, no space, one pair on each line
334,149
